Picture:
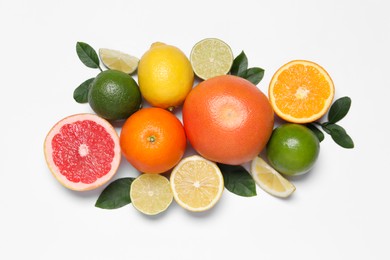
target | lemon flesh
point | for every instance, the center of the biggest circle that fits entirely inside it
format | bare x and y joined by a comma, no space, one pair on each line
270,180
197,183
211,57
151,194
116,60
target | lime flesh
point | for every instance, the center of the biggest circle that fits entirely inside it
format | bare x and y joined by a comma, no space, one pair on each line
211,57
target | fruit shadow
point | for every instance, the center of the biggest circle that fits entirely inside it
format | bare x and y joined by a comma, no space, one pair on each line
85,194
302,177
293,179
118,124
156,217
278,121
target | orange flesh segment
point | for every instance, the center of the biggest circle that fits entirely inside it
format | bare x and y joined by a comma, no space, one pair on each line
302,91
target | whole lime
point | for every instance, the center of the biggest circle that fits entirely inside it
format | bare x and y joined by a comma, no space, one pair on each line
293,149
114,95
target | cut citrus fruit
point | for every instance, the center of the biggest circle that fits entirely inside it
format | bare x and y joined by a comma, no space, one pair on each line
82,151
270,180
117,60
211,57
151,193
301,91
197,183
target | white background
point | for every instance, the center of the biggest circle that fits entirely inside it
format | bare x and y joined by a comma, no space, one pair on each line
340,210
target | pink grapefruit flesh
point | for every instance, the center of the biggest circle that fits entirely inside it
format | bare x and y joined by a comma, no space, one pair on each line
82,151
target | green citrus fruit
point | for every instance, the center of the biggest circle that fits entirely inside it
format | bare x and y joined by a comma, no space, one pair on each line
211,57
114,95
293,149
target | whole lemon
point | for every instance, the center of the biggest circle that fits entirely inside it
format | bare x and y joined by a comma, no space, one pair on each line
165,76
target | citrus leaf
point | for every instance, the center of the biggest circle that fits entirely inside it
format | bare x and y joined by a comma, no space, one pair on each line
320,135
240,64
324,127
254,75
340,136
238,180
339,109
80,94
115,195
87,55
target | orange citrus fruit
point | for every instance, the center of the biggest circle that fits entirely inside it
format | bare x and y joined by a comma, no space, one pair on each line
227,119
301,91
153,140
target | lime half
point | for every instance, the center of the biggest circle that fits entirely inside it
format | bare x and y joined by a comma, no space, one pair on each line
151,194
211,57
116,60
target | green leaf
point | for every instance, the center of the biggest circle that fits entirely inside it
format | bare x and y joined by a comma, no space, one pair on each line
87,55
240,64
238,180
80,94
339,135
339,109
254,75
320,135
115,195
324,127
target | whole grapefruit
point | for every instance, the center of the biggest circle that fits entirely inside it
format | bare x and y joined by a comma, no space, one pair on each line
82,151
227,119
153,140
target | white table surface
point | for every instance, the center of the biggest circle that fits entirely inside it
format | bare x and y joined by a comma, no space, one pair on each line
340,210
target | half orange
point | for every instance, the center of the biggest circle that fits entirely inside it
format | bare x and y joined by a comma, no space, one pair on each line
301,91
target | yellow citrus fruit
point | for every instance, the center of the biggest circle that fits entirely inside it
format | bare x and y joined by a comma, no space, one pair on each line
165,76
117,60
270,180
197,184
151,193
301,91
211,57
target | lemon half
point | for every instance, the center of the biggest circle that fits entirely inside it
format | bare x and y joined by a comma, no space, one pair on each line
197,184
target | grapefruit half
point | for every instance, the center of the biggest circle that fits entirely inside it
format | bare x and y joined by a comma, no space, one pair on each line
82,151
